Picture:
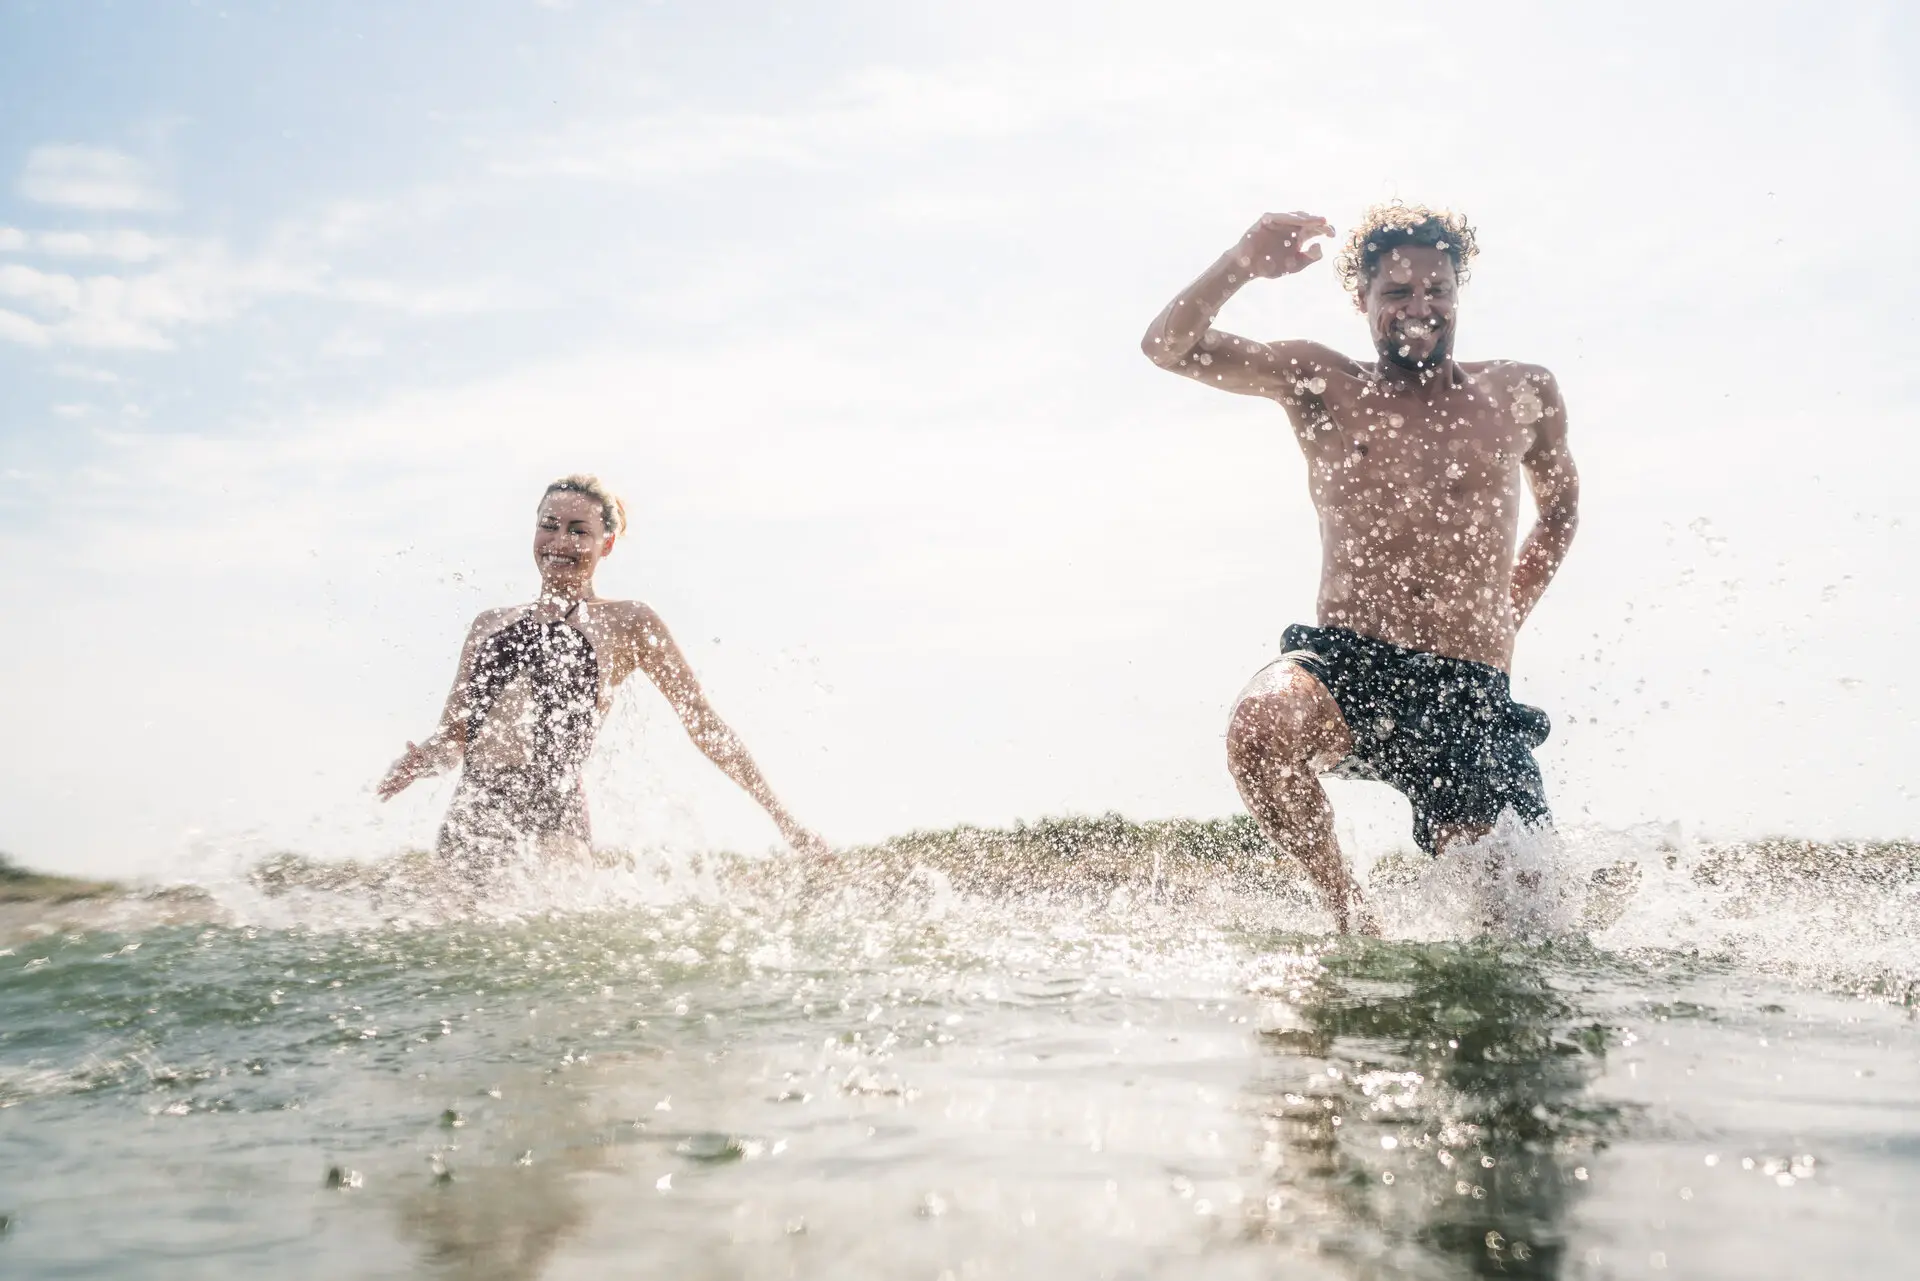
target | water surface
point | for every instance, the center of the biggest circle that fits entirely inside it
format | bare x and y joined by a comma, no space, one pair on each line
1706,1073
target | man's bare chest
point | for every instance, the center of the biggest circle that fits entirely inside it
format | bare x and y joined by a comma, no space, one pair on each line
1462,448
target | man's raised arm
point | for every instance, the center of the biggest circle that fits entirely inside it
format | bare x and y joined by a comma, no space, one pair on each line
1182,338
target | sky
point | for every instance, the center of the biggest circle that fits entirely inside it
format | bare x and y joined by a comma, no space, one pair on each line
302,304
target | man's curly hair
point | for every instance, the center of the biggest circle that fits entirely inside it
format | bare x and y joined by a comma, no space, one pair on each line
1386,227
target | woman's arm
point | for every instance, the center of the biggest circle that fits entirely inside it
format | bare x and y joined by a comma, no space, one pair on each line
656,654
442,749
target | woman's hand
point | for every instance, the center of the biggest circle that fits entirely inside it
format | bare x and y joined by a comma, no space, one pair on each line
414,764
804,843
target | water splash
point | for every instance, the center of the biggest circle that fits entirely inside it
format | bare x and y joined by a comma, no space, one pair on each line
1842,916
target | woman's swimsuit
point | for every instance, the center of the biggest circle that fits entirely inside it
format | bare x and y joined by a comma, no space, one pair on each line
497,808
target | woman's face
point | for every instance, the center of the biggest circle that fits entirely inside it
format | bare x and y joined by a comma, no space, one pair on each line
569,539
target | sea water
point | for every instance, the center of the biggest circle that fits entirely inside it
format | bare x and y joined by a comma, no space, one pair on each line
1078,1052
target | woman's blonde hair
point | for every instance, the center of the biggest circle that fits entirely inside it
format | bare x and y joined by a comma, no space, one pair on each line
613,512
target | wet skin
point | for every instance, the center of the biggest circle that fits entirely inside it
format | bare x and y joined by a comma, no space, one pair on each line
570,540
1414,464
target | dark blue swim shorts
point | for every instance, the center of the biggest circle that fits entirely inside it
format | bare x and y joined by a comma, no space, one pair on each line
1444,732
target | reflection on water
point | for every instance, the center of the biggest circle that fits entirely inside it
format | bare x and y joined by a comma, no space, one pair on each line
501,1225
494,1213
1423,1110
919,1075
1429,1109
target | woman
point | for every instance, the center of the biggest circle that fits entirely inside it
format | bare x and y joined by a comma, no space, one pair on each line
534,683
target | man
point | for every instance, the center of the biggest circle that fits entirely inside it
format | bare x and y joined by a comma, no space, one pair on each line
1413,461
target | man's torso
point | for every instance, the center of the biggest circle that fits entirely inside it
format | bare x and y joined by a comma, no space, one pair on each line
1418,495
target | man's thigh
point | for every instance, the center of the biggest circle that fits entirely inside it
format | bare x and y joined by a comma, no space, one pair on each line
1285,711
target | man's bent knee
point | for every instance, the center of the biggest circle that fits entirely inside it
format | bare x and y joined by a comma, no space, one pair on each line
1285,719
1265,730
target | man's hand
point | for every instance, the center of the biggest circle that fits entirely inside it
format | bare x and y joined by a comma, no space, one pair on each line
414,764
1182,338
1277,244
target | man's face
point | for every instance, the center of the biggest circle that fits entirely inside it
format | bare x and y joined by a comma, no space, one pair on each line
1410,306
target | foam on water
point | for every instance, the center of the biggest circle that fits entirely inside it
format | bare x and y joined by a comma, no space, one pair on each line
1837,915
1834,916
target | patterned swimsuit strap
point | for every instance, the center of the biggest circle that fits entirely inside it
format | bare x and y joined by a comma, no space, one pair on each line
512,651
565,617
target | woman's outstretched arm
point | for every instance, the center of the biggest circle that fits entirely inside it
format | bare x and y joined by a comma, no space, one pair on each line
656,654
442,749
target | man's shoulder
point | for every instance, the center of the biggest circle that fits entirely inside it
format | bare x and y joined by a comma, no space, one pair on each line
1525,391
1316,381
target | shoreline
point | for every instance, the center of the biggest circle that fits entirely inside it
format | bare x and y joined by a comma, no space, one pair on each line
1081,854
23,885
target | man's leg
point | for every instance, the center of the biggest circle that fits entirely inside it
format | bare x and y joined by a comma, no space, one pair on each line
1285,730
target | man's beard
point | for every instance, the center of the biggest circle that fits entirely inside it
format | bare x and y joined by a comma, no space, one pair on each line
1390,351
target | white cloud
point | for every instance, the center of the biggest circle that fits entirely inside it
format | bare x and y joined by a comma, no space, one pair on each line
349,344
95,311
124,245
876,109
24,330
197,285
411,299
80,177
191,282
30,284
86,373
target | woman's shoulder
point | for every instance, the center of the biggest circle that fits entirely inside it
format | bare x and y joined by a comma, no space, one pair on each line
626,615
489,621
